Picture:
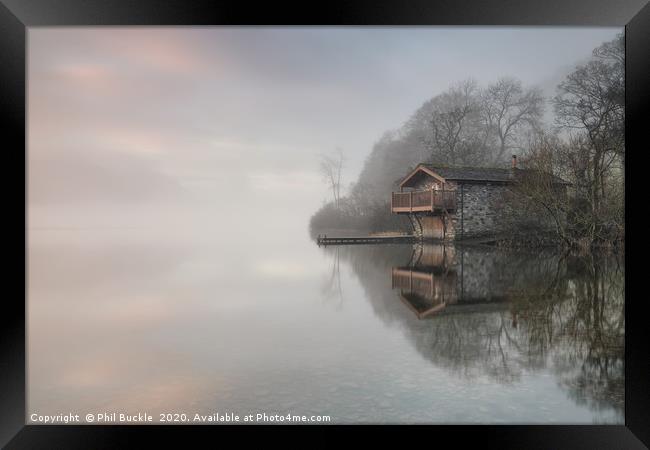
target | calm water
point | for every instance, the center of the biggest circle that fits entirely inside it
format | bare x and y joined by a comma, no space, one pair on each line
133,320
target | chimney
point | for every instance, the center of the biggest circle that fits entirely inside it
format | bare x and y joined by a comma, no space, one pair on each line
514,161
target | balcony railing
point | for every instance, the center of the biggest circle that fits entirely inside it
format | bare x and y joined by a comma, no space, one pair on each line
424,292
419,201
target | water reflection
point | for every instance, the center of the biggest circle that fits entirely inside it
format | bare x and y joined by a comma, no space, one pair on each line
331,288
503,314
132,320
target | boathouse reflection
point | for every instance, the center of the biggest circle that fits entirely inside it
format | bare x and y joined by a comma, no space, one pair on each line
497,313
428,284
436,280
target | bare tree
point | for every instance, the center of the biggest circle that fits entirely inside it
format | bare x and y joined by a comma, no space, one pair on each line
571,212
456,136
508,109
590,105
546,162
331,167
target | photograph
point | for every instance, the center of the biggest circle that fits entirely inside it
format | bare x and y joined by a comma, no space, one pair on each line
325,225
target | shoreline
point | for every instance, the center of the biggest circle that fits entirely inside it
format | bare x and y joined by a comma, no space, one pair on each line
515,241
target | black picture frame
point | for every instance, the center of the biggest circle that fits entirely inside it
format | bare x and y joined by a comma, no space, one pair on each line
17,15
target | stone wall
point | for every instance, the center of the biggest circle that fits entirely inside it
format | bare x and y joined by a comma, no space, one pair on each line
482,209
485,209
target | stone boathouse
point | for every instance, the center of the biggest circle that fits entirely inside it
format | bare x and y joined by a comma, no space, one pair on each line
468,202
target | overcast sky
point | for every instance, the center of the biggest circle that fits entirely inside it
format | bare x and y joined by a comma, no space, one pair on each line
135,117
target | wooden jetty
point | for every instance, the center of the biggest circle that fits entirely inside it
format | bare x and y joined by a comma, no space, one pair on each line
404,239
325,240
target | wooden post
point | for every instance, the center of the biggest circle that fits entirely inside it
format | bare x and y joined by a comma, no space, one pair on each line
462,211
444,205
411,201
431,198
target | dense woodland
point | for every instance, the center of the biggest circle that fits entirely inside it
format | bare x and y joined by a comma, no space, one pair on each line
482,126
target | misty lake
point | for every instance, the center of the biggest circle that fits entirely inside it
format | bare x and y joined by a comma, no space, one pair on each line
139,320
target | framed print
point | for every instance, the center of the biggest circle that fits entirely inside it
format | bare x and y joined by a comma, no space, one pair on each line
365,213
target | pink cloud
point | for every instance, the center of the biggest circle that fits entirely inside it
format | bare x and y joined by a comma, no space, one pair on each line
159,50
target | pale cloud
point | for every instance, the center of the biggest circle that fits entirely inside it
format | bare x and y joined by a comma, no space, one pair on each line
161,51
91,76
136,141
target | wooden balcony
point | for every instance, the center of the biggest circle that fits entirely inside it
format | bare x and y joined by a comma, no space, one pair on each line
424,292
423,201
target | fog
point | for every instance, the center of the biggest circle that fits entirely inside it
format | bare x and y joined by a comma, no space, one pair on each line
222,126
171,176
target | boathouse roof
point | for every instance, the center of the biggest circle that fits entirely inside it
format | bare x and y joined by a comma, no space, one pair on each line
471,174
